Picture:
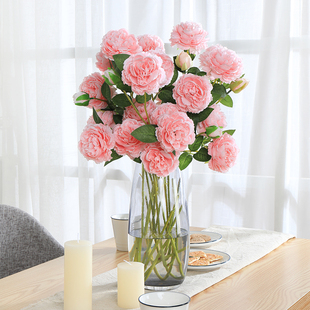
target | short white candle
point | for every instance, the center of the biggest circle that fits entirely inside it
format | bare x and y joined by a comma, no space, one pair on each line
78,275
130,284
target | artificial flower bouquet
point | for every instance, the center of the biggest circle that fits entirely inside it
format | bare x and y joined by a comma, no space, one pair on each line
159,110
163,112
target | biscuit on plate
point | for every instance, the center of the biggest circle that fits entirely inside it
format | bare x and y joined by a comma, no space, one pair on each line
199,238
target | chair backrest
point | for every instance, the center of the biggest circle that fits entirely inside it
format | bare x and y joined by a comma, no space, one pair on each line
24,242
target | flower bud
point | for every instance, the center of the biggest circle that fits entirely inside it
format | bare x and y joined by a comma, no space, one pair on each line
183,61
238,85
107,73
80,98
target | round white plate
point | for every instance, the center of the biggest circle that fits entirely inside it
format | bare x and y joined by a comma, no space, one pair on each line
215,237
214,265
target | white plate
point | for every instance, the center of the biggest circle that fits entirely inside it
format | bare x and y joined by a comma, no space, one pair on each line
214,265
215,237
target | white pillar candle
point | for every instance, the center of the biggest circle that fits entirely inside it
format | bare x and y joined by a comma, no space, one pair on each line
130,284
78,275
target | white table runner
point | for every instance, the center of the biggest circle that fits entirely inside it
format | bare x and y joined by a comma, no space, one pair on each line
244,245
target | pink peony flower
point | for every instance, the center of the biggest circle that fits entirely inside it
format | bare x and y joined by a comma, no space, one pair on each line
150,42
224,152
162,109
189,36
175,131
130,112
221,63
96,143
125,143
144,73
97,104
192,93
103,63
167,65
158,161
216,118
119,42
105,116
92,85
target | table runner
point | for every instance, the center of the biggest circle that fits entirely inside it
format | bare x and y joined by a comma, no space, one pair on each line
244,245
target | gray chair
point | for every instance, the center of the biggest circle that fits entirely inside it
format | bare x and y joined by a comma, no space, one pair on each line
24,242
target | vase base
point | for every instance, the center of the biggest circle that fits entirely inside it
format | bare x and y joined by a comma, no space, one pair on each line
161,288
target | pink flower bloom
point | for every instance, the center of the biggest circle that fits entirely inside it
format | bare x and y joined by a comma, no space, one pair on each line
125,143
224,152
119,42
105,116
216,118
150,42
167,65
164,108
97,104
175,131
130,112
158,161
192,93
221,63
144,73
96,143
103,63
189,36
92,85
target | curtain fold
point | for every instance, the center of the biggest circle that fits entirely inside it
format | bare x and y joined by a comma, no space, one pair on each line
48,47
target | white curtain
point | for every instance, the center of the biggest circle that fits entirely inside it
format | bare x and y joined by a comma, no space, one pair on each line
46,49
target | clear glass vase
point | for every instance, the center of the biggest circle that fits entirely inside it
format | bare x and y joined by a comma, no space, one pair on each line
159,228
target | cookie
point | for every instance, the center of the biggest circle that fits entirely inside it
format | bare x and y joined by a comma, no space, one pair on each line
199,238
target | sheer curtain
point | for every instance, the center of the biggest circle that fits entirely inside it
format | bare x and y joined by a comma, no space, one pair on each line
47,47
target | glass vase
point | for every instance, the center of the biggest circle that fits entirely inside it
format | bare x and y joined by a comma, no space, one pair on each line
159,228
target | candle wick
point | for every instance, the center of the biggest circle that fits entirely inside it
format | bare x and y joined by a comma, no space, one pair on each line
127,262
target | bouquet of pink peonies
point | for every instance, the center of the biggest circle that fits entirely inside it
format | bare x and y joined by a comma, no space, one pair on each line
162,112
159,110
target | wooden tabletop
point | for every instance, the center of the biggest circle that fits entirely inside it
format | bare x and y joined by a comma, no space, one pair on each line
279,280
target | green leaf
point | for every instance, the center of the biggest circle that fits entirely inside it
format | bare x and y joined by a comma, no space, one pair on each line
106,91
137,160
175,76
199,117
123,87
83,103
119,60
107,80
196,145
193,70
118,119
115,78
202,73
82,97
184,160
210,129
121,100
227,101
114,156
230,131
166,96
96,118
141,98
202,155
145,133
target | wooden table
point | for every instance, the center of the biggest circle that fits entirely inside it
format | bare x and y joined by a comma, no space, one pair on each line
279,280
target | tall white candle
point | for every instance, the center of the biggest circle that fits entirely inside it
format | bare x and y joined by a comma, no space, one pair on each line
78,275
130,284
